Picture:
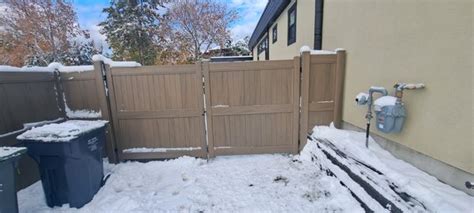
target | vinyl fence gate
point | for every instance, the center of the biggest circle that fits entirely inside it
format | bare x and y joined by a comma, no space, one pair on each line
210,109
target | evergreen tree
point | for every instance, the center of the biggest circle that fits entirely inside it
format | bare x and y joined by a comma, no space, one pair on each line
130,29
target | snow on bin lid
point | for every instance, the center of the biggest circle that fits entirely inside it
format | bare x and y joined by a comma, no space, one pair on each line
61,132
8,152
384,101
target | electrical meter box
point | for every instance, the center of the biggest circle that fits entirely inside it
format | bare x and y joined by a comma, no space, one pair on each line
390,118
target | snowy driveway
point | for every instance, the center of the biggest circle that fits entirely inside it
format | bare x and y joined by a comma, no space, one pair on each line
309,182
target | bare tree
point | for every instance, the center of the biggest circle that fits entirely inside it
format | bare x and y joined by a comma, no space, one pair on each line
197,25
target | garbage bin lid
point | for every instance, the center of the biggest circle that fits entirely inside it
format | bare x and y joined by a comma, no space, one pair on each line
10,152
61,132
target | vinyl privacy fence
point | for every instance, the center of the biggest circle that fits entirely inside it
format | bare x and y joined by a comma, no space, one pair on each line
208,109
203,110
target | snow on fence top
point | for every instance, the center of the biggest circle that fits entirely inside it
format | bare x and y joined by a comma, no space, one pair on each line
61,68
50,68
61,132
5,68
319,52
115,63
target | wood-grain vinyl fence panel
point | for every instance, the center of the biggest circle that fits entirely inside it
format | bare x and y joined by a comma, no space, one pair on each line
159,108
252,107
321,91
26,97
81,91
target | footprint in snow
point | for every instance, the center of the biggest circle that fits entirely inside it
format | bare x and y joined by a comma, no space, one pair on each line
184,177
281,179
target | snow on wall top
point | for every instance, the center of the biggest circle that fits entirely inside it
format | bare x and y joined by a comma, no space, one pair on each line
318,52
115,63
6,68
61,132
10,151
50,68
61,68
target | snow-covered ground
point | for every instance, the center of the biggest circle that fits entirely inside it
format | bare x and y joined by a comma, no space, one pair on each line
231,184
426,189
256,183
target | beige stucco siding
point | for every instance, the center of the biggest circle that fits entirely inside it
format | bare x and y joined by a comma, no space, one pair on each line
304,31
411,41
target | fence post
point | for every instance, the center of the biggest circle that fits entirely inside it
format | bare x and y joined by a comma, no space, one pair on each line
208,108
339,87
305,71
200,95
60,96
102,89
296,102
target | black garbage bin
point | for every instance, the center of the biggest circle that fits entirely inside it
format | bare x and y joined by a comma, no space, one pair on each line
9,157
69,156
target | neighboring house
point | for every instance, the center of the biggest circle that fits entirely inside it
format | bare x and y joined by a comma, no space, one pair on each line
284,27
388,42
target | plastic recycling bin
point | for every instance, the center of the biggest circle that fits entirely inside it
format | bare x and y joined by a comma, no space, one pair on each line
69,156
9,157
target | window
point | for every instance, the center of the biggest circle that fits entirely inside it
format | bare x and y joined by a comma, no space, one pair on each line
274,33
263,46
318,25
292,24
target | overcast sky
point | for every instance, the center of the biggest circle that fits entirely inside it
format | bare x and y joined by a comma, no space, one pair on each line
90,14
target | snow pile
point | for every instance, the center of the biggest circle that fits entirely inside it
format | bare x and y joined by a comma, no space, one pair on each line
10,151
145,150
115,63
258,183
384,101
61,132
436,196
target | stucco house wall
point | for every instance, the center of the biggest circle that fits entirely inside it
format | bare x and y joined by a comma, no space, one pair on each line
411,41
